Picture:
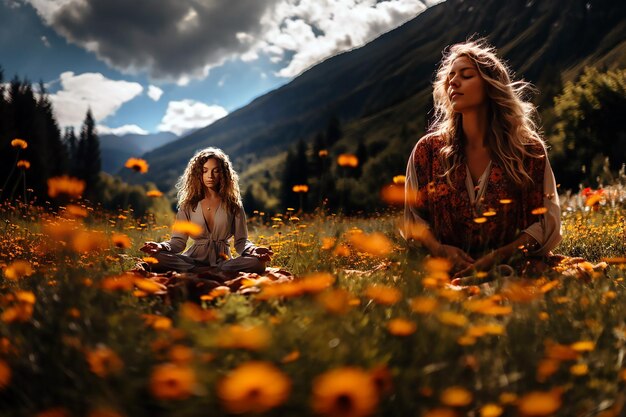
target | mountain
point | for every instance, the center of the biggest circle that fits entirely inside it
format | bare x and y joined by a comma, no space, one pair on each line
115,150
381,91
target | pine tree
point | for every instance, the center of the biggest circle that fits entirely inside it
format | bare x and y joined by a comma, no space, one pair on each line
333,131
89,161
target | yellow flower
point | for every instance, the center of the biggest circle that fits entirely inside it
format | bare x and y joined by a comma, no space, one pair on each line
382,294
240,337
121,240
344,392
104,361
5,374
456,397
137,165
401,327
583,346
19,143
491,410
154,193
399,179
253,387
452,319
348,160
579,369
593,200
64,185
187,228
538,403
301,188
18,269
172,382
22,163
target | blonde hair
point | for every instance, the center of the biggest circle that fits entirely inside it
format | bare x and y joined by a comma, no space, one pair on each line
510,115
191,189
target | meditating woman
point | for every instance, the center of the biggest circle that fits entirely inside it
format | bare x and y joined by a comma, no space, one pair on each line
208,195
479,187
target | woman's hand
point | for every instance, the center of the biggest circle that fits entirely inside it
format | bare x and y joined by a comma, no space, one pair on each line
263,254
151,248
458,257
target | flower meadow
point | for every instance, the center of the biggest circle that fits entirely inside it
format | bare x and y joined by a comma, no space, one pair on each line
367,327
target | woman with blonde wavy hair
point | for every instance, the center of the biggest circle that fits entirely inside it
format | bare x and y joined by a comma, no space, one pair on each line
209,196
479,188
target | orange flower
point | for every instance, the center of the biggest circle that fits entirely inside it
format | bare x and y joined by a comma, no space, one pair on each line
452,319
376,244
150,260
64,185
19,143
20,312
539,211
154,193
89,241
323,153
480,220
291,357
344,392
593,199
253,387
383,381
172,382
18,269
583,346
342,250
433,265
394,194
121,240
579,369
383,295
399,179
187,228
538,403
401,327
424,305
5,374
22,163
301,188
75,211
315,283
157,322
456,397
104,361
149,286
240,337
137,165
335,301
506,201
560,352
123,282
547,368
491,410
180,354
193,312
348,160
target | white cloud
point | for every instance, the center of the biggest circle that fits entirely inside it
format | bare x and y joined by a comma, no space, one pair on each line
154,92
45,41
121,131
185,115
90,90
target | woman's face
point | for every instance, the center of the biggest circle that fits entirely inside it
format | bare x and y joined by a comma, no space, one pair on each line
466,89
211,174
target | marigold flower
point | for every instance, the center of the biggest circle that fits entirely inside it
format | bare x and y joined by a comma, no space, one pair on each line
323,153
18,269
480,220
25,297
5,374
491,410
593,199
560,352
121,240
382,294
538,403
291,357
579,369
19,143
20,313
401,327
137,165
149,286
253,387
122,282
328,243
75,211
187,228
315,283
506,201
157,322
193,312
399,179
342,250
433,265
396,194
344,392
456,397
181,354
424,305
89,241
22,163
546,368
104,361
154,193
583,346
383,381
376,244
539,211
452,319
335,301
150,259
172,382
348,160
240,337
64,185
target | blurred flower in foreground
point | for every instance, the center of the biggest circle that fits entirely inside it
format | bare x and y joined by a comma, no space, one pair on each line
348,160
335,301
5,374
121,240
344,392
18,269
401,327
19,143
491,410
187,228
240,337
253,387
376,244
64,185
137,165
383,295
539,403
300,188
456,397
172,382
104,361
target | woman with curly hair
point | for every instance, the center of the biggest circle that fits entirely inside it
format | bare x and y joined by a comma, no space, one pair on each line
479,188
208,195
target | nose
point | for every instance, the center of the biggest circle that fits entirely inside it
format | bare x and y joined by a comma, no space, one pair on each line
454,82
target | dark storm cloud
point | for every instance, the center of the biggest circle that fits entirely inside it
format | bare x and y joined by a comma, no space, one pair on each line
168,38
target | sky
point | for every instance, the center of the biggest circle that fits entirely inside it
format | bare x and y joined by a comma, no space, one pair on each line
147,66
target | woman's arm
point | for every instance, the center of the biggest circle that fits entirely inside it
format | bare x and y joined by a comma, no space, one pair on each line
178,241
243,246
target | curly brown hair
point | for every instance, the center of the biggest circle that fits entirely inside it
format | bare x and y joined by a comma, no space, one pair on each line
191,189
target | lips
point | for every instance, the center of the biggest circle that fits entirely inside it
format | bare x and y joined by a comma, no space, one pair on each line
455,94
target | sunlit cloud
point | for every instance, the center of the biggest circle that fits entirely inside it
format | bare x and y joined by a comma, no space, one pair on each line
186,115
